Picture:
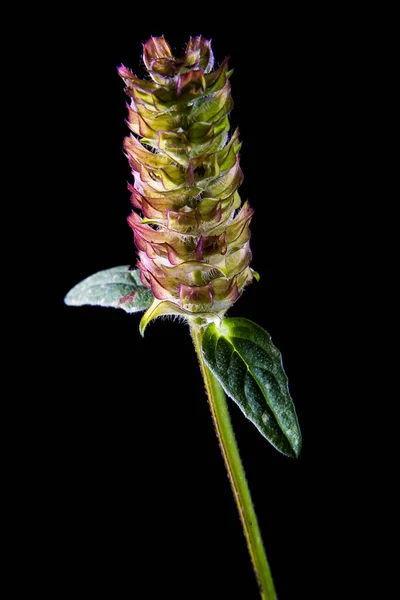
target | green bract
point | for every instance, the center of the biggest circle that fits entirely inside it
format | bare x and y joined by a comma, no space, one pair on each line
193,234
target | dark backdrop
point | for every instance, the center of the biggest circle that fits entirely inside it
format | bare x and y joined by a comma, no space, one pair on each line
135,499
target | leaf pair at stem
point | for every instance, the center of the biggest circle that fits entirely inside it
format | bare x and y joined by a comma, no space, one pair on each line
239,353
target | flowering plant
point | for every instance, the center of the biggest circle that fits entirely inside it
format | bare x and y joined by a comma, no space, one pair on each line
192,235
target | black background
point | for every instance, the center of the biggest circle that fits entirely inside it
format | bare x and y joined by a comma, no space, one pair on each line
134,499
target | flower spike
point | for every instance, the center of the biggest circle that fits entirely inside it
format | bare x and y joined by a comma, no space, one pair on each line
191,232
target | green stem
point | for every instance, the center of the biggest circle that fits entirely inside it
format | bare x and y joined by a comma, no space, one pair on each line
241,492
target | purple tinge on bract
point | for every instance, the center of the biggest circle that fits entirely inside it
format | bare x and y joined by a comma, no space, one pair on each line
190,227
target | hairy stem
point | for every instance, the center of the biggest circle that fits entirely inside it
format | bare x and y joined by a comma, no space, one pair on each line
237,478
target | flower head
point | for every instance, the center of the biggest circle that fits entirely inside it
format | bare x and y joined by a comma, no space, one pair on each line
190,227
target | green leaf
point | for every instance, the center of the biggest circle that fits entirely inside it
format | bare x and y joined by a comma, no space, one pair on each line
249,368
118,287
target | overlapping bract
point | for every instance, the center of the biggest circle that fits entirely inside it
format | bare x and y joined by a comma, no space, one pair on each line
193,236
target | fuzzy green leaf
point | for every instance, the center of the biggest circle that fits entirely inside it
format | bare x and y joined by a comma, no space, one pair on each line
249,368
118,287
